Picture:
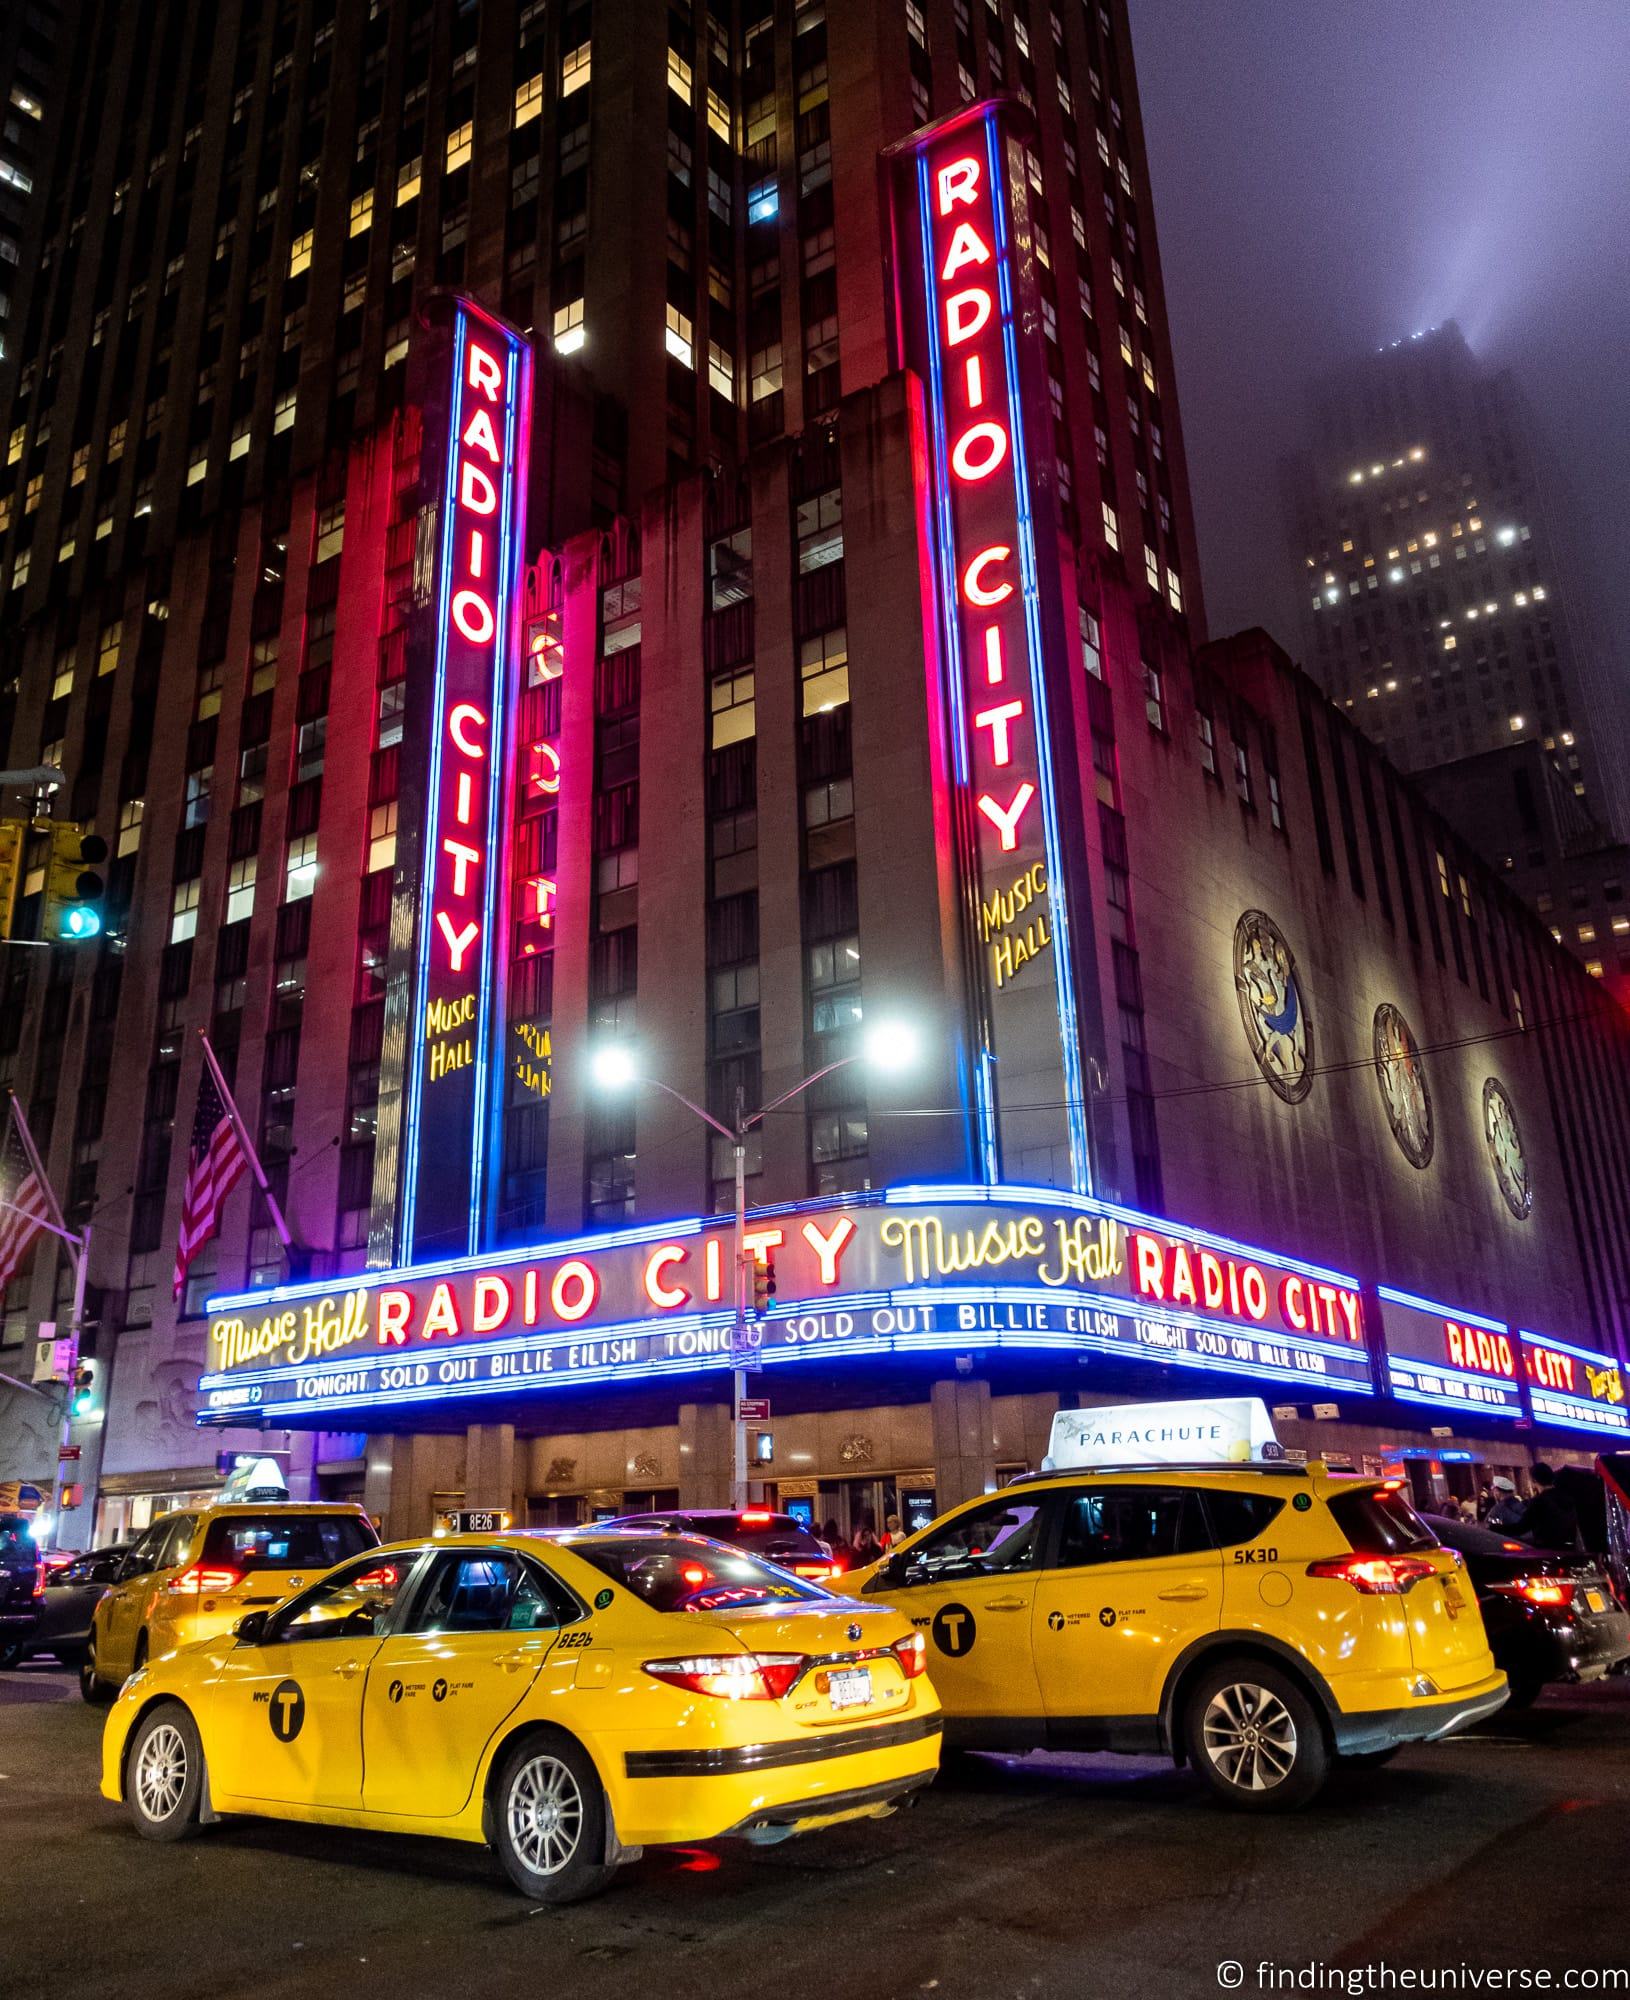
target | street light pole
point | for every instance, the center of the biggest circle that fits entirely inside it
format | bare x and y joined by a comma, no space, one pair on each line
738,1338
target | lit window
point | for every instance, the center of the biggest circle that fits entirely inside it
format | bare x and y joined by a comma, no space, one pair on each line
184,910
1587,933
529,99
1092,645
107,647
301,872
1151,569
574,70
823,668
721,371
731,707
130,819
198,470
300,253
1443,874
1594,967
764,372
382,837
17,178
1154,700
677,337
763,201
330,532
239,445
1174,590
240,890
62,682
730,569
362,212
819,528
408,178
680,80
570,332
1112,527
283,411
1208,742
458,146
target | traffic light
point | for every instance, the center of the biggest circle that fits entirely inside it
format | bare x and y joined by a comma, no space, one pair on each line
763,1283
74,884
82,1397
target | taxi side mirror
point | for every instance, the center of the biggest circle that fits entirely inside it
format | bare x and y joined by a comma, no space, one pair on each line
250,1628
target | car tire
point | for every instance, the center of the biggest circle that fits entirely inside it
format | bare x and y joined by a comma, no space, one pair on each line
549,1820
164,1773
12,1654
91,1685
1522,1691
1253,1734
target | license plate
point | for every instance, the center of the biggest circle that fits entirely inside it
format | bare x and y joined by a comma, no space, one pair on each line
1595,1601
852,1689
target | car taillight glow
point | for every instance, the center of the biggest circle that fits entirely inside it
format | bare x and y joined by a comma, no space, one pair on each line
693,1573
912,1653
39,1576
1375,1576
1549,1593
383,1578
731,1676
755,1517
207,1578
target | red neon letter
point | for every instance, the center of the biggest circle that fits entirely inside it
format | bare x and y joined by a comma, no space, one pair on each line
828,1245
485,372
475,489
457,943
958,182
442,1315
580,1279
1292,1305
459,719
1255,1288
965,314
1150,1276
967,247
661,1260
464,859
996,720
979,450
545,773
995,665
472,614
479,433
977,592
395,1310
1006,819
490,1305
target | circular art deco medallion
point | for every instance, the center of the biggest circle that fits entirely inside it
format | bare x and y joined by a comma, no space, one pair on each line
1506,1156
1270,1005
1405,1094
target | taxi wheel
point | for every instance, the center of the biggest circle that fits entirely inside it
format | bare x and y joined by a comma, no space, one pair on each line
1253,1734
549,1817
91,1684
164,1773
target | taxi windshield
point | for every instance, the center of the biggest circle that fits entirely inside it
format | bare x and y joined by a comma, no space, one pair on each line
673,1573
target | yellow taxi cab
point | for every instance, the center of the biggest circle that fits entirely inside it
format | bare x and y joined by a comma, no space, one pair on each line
1254,1618
194,1574
566,1699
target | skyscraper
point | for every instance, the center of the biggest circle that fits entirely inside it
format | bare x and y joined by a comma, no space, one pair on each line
544,528
1445,606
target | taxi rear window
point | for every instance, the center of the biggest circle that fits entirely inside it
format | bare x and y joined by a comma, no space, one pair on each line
276,1540
672,1574
1380,1522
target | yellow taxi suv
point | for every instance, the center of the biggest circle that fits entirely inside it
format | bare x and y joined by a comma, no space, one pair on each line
567,1700
193,1575
1255,1620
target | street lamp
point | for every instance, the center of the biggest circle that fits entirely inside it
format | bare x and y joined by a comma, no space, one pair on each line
889,1045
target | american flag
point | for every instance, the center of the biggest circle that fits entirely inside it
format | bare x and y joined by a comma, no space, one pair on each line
26,1198
215,1164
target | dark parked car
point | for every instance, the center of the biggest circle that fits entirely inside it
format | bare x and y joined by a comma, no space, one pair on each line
22,1584
71,1591
1550,1616
778,1538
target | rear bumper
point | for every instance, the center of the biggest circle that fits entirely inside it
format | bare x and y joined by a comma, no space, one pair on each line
830,1811
1421,1722
737,1759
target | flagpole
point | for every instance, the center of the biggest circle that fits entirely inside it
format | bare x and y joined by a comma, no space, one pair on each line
60,1228
230,1104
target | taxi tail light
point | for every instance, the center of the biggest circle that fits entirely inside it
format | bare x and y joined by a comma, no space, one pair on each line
1375,1576
213,1578
1549,1593
731,1676
912,1653
39,1576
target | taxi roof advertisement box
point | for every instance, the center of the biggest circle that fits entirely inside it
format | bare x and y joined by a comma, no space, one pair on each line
1236,1430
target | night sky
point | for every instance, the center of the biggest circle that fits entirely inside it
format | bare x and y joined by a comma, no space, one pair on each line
1328,176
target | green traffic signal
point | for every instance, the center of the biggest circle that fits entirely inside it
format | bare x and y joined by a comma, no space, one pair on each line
83,1400
80,922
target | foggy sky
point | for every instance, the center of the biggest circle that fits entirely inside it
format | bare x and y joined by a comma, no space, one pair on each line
1330,175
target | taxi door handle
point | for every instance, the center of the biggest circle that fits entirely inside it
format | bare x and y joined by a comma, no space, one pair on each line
523,1656
1185,1593
1004,1603
349,1669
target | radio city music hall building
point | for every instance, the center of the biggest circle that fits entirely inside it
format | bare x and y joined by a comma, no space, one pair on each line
475,729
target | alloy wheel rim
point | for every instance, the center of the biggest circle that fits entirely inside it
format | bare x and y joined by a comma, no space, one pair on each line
545,1814
161,1772
1250,1736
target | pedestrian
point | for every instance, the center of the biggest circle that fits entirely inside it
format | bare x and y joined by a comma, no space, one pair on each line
1550,1520
832,1535
868,1549
892,1531
1486,1497
1453,1508
1507,1509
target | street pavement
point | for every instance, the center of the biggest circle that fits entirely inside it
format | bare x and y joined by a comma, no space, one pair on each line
1048,1876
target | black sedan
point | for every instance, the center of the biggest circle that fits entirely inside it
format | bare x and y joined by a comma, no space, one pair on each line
1549,1616
66,1604
778,1538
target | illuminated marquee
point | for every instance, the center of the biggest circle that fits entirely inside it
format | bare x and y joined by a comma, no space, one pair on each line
1573,1385
480,531
911,1270
1445,1356
961,243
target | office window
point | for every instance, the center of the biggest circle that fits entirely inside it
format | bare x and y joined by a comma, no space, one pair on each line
1208,743
529,100
819,528
823,667
574,70
459,141
1154,698
184,910
382,837
301,870
731,707
240,890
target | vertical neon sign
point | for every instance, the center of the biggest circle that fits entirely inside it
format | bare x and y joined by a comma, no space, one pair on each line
959,328
448,1142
